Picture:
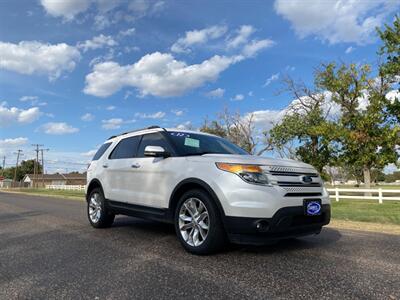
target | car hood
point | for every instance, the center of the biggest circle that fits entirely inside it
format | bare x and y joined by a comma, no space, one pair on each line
251,159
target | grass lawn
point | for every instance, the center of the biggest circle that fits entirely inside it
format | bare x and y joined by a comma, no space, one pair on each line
367,211
46,192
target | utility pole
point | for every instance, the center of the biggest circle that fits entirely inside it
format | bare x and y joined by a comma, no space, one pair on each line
41,151
4,165
36,165
19,153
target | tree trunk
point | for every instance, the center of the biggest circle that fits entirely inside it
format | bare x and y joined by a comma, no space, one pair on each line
367,177
367,180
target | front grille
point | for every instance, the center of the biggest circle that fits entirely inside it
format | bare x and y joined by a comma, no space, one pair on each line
291,177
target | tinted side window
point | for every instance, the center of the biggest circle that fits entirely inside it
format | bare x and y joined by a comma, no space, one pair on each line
153,139
101,151
126,148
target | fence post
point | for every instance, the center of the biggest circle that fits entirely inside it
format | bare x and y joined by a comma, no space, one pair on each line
337,194
380,197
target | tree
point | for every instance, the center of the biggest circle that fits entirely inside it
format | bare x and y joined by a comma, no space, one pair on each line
26,167
234,127
390,50
390,68
304,122
365,133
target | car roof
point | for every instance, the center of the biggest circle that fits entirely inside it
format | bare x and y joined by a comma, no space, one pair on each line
150,130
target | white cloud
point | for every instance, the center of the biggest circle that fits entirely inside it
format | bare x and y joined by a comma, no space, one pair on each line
11,143
250,94
97,42
29,57
11,115
336,21
87,117
127,32
197,37
89,153
255,46
111,107
266,118
349,50
157,115
158,74
114,123
58,128
242,36
217,93
177,112
28,98
66,9
238,97
271,79
185,126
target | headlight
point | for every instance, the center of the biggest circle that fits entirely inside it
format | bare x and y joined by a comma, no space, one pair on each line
249,173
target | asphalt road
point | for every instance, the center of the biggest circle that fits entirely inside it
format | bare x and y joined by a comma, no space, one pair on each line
48,250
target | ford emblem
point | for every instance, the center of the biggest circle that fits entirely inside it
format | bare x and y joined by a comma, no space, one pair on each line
313,208
307,179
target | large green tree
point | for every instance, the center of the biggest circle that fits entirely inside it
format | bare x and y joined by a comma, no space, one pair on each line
366,133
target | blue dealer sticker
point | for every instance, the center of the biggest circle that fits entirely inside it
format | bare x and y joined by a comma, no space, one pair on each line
313,208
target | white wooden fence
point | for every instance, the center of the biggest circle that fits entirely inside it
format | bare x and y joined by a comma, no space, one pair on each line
66,187
364,194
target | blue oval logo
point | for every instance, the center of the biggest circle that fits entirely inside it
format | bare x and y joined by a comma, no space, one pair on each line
313,208
307,179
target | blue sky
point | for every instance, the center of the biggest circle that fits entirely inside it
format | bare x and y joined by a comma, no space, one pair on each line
73,73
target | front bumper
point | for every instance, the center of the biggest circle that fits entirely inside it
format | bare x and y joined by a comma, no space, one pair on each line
287,222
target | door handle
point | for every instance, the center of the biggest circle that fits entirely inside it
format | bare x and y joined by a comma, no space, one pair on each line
135,166
105,166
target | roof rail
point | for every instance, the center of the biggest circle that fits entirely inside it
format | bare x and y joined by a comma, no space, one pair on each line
150,127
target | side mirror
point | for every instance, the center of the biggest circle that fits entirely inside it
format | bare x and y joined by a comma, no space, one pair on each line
155,151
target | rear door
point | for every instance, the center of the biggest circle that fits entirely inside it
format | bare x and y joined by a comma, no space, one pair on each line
120,168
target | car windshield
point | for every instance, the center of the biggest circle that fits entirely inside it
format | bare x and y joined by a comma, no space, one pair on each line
199,144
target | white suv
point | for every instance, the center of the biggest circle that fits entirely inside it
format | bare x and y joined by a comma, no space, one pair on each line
209,188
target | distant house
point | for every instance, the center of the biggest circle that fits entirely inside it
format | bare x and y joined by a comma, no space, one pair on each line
42,180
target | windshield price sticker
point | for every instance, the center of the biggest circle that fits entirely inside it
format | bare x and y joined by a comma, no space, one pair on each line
192,143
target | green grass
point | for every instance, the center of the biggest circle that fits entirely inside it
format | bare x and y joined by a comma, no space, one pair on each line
46,192
367,211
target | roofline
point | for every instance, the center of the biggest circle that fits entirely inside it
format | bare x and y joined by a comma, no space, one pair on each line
136,130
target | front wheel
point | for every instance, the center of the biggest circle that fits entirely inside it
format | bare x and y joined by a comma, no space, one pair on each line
98,214
198,223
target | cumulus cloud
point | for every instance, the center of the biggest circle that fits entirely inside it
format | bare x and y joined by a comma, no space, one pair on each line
110,107
97,42
349,50
114,123
177,112
29,57
127,32
12,115
238,97
157,115
58,128
87,117
255,46
217,93
336,21
241,37
196,37
11,143
185,126
66,9
28,98
158,74
266,118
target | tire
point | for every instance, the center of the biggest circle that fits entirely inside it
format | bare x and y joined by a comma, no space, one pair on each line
206,215
98,214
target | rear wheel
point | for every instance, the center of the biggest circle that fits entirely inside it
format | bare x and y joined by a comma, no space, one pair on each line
198,224
98,214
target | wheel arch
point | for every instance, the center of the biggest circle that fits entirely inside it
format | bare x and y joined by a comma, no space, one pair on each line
189,184
94,183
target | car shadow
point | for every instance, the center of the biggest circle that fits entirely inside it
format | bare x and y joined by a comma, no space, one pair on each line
327,237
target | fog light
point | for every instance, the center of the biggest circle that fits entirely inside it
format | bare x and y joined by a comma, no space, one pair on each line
262,226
